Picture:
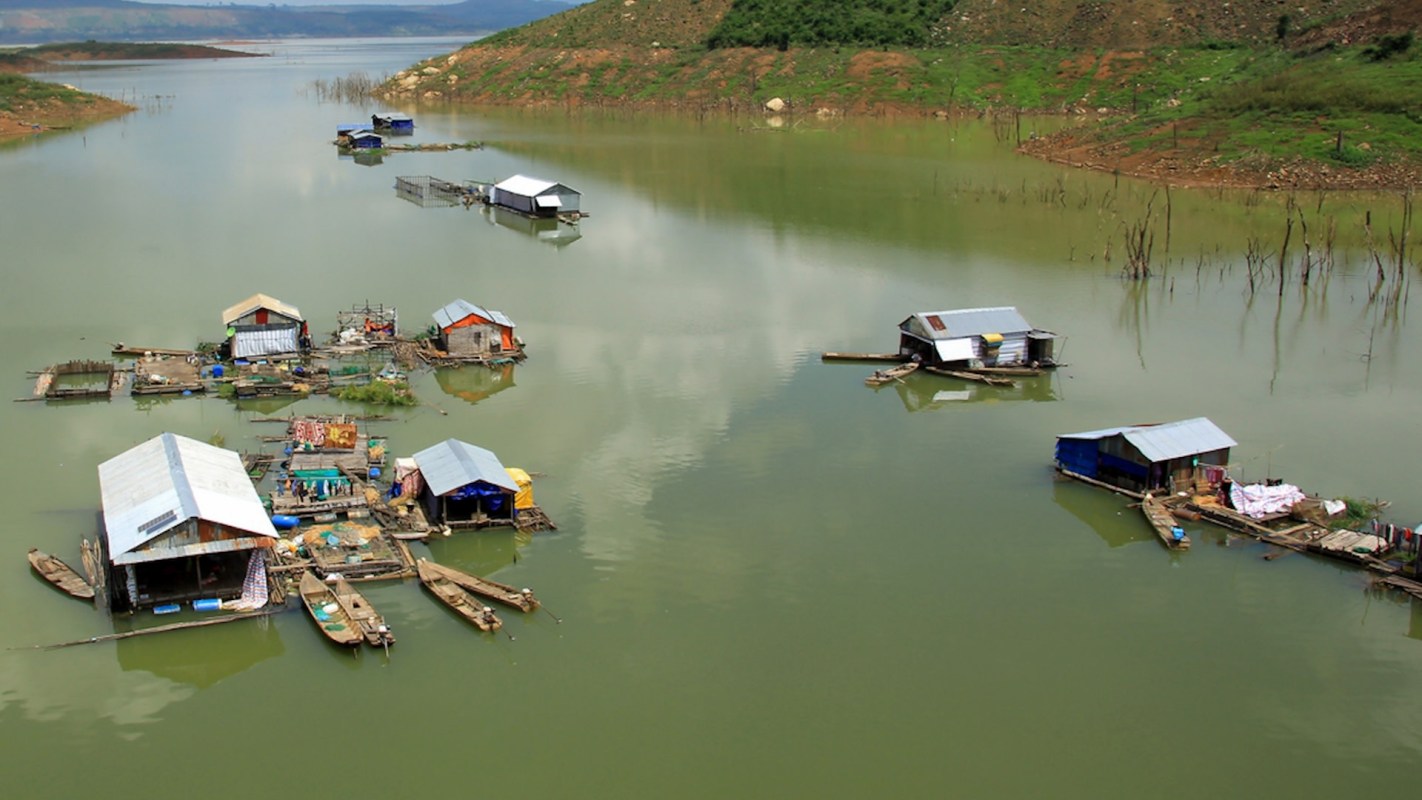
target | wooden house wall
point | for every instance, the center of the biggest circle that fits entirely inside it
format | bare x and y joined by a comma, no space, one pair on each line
473,340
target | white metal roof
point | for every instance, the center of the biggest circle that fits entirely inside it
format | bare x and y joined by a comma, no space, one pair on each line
1186,437
460,309
452,464
529,187
255,302
168,480
971,322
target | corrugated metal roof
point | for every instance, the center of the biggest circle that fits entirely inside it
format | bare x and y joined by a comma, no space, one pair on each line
255,302
529,187
460,309
972,322
1186,437
452,464
169,479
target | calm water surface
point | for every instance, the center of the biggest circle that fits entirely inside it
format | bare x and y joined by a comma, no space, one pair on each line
774,581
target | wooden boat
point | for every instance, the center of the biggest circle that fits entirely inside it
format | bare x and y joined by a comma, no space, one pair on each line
1163,522
883,376
522,599
367,620
61,575
89,555
458,598
330,617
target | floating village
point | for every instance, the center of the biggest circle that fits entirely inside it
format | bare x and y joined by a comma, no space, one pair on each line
188,524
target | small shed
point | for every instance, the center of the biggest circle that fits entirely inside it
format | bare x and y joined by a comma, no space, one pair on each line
1145,458
467,330
263,326
465,486
394,122
181,521
364,140
989,337
535,197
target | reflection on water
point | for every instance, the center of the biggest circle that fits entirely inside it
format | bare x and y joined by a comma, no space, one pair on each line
177,657
547,230
928,392
474,382
1103,512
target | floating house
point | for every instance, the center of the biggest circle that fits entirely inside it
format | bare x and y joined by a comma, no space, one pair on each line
469,331
535,197
398,124
975,337
464,486
364,140
1144,458
181,522
262,326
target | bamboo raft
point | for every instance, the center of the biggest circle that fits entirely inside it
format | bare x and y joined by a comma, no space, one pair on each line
61,575
1157,513
330,616
883,376
522,599
367,620
461,600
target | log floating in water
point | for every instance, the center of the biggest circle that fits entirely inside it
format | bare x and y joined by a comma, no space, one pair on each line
176,626
894,357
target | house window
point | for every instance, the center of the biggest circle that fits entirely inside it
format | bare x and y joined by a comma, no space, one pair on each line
936,323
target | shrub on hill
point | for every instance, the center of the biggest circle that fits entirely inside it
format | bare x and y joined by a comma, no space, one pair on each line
815,23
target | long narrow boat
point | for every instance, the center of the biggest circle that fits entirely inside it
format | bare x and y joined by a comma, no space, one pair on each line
330,617
458,598
371,625
1163,522
883,376
522,599
61,575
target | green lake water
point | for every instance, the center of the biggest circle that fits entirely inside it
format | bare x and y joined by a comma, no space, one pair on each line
773,580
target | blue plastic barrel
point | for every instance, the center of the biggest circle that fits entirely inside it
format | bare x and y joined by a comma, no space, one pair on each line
168,608
285,521
217,370
1178,533
207,604
375,472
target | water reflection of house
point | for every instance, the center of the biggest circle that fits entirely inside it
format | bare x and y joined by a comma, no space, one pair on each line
1144,458
991,337
1102,512
473,385
470,331
535,197
548,230
181,520
227,650
262,326
927,392
464,486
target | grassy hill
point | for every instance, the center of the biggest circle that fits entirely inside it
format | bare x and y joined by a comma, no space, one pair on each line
1225,92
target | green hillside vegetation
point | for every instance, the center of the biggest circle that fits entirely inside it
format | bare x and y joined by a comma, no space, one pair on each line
1167,87
817,23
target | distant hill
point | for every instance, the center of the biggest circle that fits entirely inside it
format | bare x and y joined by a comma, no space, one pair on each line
37,21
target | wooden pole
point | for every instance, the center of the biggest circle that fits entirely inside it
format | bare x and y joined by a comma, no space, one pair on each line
176,626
